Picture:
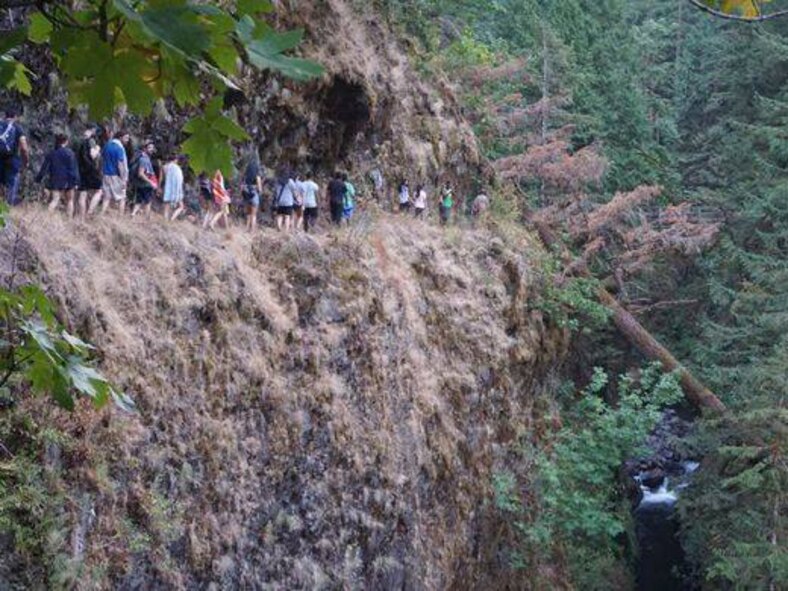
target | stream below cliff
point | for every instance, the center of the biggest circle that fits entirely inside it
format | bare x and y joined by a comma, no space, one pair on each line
658,482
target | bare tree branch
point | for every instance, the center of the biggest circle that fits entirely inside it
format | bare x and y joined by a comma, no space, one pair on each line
734,17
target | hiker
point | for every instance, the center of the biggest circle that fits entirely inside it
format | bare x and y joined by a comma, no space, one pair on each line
420,201
350,199
205,188
404,197
479,207
128,145
286,190
252,189
446,204
61,173
14,156
221,200
309,190
115,168
336,198
88,152
144,179
298,205
172,183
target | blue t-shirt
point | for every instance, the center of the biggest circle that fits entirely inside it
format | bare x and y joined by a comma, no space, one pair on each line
11,132
112,156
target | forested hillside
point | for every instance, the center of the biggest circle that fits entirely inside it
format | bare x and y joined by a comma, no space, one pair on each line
493,404
667,94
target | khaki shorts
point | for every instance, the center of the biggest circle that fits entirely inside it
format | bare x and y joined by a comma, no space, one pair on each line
114,187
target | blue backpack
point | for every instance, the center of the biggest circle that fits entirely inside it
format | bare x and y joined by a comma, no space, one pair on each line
8,139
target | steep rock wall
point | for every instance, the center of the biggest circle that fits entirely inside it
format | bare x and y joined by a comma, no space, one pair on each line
313,412
371,113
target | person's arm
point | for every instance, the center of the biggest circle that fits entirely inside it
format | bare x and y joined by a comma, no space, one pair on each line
259,183
123,169
24,151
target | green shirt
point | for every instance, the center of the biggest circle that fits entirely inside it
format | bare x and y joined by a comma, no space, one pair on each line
448,199
350,193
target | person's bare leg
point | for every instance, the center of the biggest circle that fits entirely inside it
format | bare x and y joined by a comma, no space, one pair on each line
179,209
253,218
82,204
215,219
167,209
94,202
53,205
122,206
70,203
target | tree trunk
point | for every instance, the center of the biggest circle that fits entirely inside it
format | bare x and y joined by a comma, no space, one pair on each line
694,391
698,394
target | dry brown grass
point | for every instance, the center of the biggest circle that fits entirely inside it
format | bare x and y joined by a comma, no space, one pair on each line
314,412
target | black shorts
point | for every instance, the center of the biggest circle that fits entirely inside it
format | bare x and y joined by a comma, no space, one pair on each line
337,212
298,209
285,210
144,195
310,213
89,183
404,206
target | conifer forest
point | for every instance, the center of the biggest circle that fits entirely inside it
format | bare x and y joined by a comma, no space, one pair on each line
397,294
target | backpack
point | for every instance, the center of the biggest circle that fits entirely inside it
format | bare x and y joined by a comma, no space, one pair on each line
337,191
8,140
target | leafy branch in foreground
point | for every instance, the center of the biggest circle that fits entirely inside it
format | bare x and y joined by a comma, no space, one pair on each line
36,351
115,52
739,10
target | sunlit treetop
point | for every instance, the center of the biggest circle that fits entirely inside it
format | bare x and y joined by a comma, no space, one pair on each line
742,10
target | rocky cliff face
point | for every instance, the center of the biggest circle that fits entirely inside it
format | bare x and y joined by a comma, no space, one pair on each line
313,412
371,113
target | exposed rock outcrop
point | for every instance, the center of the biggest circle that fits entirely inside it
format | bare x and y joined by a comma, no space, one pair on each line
313,412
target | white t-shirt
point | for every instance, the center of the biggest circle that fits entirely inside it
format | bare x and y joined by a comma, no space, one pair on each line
173,183
286,194
421,200
404,195
309,190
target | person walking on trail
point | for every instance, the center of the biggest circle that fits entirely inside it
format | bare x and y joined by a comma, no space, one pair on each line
61,173
298,204
88,162
350,199
144,179
420,201
479,207
285,200
336,198
252,189
404,197
115,168
446,204
310,190
221,201
14,156
172,183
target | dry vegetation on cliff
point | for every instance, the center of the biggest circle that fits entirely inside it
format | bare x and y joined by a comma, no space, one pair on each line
314,412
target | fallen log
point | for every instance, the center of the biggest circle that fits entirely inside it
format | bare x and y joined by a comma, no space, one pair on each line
695,392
